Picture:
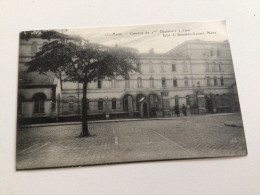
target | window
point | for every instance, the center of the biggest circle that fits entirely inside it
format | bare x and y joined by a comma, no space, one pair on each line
218,53
138,66
163,82
139,82
114,103
207,67
188,100
34,47
39,103
208,81
113,83
150,67
220,67
100,104
185,67
127,83
211,52
222,81
151,82
175,84
99,84
162,67
71,105
176,100
215,81
173,67
186,82
215,67
44,43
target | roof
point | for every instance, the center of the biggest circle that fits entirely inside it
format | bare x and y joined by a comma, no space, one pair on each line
34,78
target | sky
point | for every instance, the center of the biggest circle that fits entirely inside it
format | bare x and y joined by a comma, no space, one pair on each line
145,37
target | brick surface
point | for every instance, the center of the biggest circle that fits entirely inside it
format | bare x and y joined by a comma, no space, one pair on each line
185,137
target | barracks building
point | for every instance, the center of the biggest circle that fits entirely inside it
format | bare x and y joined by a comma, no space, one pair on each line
192,73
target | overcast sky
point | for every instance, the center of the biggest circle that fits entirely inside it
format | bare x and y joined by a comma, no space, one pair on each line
131,36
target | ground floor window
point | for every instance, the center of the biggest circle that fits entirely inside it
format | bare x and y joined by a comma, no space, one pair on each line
113,103
39,103
100,104
188,100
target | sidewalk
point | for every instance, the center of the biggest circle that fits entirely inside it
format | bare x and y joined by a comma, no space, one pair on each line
131,119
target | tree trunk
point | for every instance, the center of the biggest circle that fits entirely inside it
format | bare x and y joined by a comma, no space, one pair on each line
85,132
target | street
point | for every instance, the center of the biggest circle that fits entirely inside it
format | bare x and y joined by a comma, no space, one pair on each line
130,141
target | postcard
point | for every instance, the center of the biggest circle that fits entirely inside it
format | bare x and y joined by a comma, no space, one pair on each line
107,95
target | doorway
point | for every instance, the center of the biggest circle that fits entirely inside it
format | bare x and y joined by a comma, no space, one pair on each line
145,109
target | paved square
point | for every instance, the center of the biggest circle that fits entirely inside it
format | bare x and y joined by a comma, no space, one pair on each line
130,141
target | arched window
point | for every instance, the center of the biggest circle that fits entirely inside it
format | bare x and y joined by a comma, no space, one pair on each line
138,103
151,82
127,83
39,100
187,99
173,67
163,82
114,103
34,47
208,81
176,100
154,101
175,83
139,82
186,81
215,81
100,104
185,67
222,81
99,84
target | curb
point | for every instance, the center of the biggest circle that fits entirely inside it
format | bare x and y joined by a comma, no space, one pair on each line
124,120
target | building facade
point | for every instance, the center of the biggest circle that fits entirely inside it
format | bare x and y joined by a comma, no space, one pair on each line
165,80
176,77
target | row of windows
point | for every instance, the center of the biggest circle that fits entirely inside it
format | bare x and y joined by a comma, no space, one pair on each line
217,67
140,82
34,47
215,81
162,67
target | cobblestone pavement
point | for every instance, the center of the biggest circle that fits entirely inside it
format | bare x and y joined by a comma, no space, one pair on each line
180,138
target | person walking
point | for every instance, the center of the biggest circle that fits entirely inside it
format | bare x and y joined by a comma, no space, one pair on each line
184,110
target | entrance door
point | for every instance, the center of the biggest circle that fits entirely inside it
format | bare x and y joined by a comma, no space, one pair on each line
145,110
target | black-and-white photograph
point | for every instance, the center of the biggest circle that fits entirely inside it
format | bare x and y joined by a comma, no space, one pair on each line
107,95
